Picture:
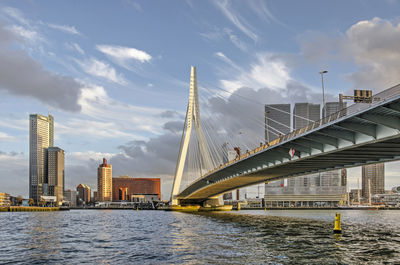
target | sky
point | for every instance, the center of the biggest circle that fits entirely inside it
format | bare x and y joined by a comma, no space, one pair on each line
115,74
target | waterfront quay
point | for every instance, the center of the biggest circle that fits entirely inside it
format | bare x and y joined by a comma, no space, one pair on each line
29,209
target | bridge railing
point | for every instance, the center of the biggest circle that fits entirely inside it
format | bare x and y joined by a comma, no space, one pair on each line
352,109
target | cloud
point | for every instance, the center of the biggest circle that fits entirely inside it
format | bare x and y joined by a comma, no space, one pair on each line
102,69
6,137
124,54
16,15
133,4
135,121
21,75
78,48
372,45
14,173
171,114
92,128
217,34
268,70
263,12
65,28
18,124
236,19
26,29
27,34
173,126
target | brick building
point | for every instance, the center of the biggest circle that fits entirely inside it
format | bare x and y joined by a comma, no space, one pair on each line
125,188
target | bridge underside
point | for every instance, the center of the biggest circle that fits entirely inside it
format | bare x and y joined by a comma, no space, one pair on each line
369,134
379,152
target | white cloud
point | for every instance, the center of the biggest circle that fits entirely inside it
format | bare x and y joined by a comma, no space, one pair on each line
91,128
235,39
19,124
25,33
101,69
78,48
267,71
122,54
217,34
6,137
16,15
260,8
236,19
130,121
65,28
373,46
133,4
82,157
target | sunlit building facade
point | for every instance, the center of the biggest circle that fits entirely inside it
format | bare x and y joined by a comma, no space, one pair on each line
41,137
126,188
84,194
373,179
55,173
4,199
104,182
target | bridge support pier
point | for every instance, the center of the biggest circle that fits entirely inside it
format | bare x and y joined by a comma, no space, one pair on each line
209,204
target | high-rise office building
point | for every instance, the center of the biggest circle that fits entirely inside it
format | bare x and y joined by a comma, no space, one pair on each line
373,176
104,182
55,173
304,113
70,197
277,120
41,137
315,190
333,107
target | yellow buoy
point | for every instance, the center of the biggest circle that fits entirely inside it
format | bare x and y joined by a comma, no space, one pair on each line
337,229
265,209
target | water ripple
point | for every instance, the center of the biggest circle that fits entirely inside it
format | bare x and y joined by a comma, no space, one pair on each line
157,237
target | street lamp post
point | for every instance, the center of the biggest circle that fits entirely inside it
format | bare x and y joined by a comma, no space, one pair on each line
266,126
323,93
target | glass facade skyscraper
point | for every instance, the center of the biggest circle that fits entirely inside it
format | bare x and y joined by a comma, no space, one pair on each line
41,137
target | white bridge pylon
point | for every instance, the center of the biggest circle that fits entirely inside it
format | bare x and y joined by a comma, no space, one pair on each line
192,118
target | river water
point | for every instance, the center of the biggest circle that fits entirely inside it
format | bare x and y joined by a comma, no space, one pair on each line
158,237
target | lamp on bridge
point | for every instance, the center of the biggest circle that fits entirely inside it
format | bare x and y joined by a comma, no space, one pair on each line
323,92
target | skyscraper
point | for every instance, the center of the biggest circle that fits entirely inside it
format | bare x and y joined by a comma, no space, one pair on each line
41,137
334,107
315,190
104,181
55,172
277,120
304,113
373,176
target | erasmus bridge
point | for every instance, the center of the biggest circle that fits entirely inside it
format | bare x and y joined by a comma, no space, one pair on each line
363,133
